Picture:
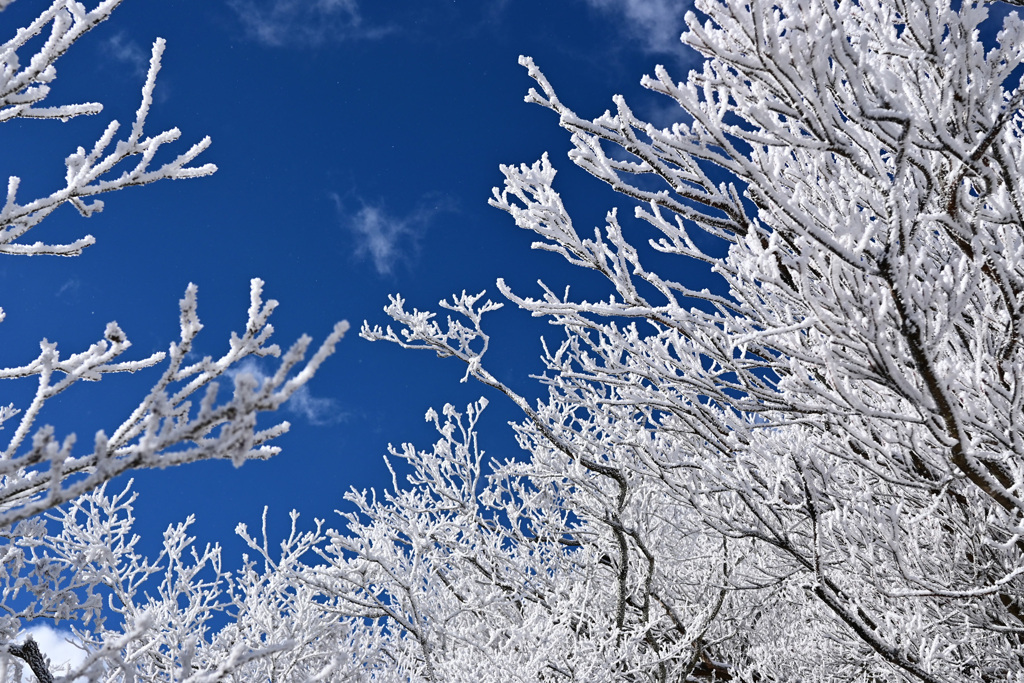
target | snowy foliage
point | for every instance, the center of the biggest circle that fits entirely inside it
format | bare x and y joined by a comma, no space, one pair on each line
83,558
815,472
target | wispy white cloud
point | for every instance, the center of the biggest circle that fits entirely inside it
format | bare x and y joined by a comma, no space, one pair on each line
303,23
129,52
71,287
316,410
384,238
656,23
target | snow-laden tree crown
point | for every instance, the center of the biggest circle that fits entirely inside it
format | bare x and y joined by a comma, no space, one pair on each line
814,472
89,563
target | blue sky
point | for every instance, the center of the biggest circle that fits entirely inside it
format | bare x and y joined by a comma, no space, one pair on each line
357,144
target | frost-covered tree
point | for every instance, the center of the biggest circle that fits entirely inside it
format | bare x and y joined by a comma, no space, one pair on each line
58,571
813,472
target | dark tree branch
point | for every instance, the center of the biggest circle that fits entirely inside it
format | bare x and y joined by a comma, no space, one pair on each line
30,653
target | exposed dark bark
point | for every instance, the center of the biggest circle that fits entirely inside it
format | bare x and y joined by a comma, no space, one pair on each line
30,653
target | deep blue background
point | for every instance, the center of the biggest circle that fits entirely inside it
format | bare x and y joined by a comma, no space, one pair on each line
407,113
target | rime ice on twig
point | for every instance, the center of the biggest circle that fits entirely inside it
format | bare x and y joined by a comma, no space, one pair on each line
166,428
186,415
815,472
88,173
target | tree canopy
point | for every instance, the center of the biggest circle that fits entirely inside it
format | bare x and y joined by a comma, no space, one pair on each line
813,472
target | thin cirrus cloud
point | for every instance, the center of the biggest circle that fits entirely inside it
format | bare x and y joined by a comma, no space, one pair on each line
303,23
128,52
383,238
70,288
656,23
316,410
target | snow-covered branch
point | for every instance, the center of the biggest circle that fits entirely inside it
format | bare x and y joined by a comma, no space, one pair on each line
88,568
840,419
101,169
